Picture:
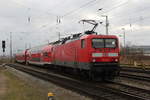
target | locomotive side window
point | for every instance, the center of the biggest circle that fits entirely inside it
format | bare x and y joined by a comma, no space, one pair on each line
98,43
110,43
82,43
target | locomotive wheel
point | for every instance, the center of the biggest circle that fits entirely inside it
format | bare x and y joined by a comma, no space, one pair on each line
91,75
95,76
84,74
27,63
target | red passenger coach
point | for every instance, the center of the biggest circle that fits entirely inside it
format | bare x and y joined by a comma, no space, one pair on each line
46,55
21,57
39,55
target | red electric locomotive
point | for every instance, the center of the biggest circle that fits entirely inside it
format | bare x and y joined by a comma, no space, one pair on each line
93,55
96,56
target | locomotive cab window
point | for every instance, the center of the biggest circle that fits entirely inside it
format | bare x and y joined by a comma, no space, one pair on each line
82,43
110,43
98,43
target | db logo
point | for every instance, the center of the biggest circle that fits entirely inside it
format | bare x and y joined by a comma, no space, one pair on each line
105,54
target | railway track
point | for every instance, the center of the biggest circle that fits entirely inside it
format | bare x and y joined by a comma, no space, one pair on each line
135,73
133,69
139,92
96,91
137,77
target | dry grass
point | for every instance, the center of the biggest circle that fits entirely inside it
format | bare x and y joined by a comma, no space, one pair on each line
19,90
4,60
135,61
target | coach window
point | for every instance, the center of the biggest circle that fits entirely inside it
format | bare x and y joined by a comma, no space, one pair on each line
82,43
51,49
45,54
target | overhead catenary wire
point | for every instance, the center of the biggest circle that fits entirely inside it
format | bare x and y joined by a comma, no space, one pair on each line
85,5
133,22
23,5
91,2
140,16
132,13
82,6
72,11
75,10
117,6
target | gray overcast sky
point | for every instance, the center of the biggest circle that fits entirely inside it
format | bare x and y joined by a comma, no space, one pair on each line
133,15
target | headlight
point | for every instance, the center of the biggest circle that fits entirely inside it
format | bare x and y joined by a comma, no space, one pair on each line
94,60
116,60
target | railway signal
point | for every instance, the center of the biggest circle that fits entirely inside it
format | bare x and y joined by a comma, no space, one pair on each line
3,45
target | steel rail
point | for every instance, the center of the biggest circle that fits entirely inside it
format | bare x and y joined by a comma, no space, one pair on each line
137,77
131,90
133,69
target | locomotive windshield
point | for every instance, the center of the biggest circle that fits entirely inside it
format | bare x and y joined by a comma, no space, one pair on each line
104,43
98,43
110,43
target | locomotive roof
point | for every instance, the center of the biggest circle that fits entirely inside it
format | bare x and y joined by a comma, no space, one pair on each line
98,36
81,36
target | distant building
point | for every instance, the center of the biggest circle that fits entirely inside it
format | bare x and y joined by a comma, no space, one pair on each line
145,50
